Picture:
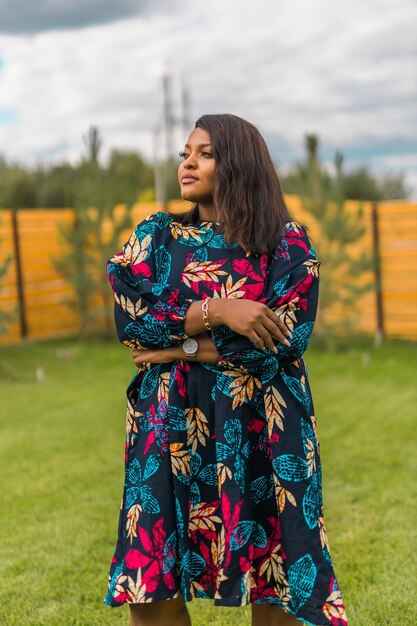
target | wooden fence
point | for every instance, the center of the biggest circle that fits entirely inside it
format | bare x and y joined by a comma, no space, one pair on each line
34,294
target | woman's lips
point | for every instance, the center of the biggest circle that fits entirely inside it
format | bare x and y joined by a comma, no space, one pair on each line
186,180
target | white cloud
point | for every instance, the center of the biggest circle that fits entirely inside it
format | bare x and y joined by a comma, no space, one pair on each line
346,72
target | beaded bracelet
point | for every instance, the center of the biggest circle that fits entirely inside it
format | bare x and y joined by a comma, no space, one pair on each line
204,308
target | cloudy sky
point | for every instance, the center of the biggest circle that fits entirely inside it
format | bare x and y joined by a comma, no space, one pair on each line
346,71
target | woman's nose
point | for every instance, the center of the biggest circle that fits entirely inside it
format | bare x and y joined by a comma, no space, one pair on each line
189,162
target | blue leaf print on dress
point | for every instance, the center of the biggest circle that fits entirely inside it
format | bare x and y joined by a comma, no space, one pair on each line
259,537
261,489
149,503
297,389
233,433
327,556
163,267
280,286
193,563
131,496
176,418
200,255
310,446
301,579
245,531
223,384
112,584
150,331
312,502
300,339
246,450
162,219
219,242
239,472
152,465
195,496
308,435
180,527
139,491
282,251
195,463
170,553
223,451
134,472
223,333
209,474
149,382
291,467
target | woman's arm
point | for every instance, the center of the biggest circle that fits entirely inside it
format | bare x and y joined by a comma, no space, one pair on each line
148,312
292,296
252,319
206,353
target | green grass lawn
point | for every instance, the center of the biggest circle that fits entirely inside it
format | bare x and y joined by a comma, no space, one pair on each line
61,450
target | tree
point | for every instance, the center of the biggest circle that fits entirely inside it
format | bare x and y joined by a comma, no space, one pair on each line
129,176
90,240
356,183
92,143
359,184
172,187
323,198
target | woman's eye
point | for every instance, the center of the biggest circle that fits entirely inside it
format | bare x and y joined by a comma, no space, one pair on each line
182,154
207,155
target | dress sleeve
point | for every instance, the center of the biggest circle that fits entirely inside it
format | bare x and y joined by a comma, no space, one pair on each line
148,312
292,293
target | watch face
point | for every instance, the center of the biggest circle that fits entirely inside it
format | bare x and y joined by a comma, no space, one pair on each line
190,346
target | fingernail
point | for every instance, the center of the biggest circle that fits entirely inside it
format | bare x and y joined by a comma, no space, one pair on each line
275,350
289,334
287,343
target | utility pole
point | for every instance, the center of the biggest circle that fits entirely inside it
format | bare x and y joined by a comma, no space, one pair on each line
158,168
163,136
168,114
185,107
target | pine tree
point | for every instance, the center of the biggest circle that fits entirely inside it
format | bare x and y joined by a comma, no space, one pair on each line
323,198
91,238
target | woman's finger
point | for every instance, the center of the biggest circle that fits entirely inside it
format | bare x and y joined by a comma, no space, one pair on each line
257,340
274,331
278,323
265,336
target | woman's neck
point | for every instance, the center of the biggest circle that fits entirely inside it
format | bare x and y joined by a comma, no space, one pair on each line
207,213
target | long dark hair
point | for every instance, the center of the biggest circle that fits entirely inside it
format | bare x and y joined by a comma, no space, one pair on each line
247,193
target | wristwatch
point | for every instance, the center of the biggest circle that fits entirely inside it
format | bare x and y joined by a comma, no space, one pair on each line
190,346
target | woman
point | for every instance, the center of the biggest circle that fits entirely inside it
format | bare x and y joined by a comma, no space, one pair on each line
222,496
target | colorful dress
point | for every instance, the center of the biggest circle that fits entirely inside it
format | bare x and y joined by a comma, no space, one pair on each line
222,496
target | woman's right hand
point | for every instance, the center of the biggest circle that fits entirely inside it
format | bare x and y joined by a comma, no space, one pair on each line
251,319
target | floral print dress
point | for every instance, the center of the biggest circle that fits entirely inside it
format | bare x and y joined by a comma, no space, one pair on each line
222,496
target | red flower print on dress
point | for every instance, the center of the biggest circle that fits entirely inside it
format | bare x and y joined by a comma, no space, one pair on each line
141,268
152,558
132,559
179,377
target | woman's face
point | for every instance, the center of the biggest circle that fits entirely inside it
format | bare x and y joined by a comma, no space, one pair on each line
196,172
